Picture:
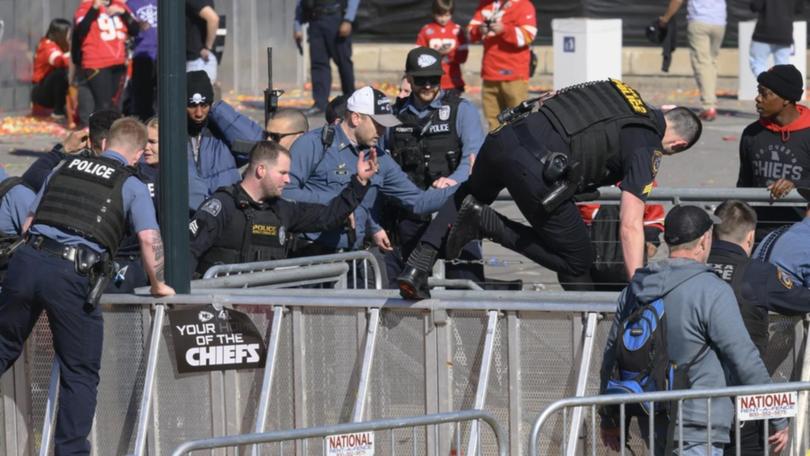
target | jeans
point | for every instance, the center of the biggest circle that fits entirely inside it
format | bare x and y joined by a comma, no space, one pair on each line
759,52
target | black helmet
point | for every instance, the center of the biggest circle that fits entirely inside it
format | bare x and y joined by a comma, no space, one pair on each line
655,32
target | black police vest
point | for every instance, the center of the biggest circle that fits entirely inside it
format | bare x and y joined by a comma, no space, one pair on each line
590,117
84,197
731,268
255,233
428,148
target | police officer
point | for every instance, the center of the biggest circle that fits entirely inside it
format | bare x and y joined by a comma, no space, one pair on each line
583,136
759,287
329,35
435,145
16,198
320,170
130,272
86,141
81,215
789,247
250,222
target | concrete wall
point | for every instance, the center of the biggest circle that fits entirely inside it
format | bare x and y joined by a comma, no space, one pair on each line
387,62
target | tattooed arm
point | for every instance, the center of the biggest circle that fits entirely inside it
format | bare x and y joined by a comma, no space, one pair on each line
153,261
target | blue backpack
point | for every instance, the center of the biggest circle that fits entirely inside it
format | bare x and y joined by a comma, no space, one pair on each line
642,360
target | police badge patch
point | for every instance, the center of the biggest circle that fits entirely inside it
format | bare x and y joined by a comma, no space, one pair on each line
444,112
784,279
656,162
212,206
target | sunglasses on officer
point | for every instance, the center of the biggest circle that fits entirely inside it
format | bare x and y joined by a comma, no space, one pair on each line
274,136
424,81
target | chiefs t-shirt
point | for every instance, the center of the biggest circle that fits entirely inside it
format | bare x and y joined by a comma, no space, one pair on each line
48,56
105,43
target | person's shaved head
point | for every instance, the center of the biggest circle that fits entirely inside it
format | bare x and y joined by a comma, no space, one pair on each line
286,126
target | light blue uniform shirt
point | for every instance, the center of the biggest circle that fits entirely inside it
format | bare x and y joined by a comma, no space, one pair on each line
468,128
791,252
138,209
318,175
351,12
707,11
14,207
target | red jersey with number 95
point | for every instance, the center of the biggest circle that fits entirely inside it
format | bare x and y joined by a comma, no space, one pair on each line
105,43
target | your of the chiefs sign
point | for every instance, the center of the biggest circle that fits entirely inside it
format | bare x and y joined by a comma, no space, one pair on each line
766,406
207,339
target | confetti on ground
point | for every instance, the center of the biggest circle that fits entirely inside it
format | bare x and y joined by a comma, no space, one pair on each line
26,125
729,138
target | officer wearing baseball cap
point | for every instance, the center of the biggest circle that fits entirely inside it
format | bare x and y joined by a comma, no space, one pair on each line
319,171
435,145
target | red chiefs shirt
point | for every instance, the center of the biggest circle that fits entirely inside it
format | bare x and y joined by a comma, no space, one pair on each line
453,37
47,57
105,43
506,55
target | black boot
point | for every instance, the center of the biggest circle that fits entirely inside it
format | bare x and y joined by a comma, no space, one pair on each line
474,221
413,280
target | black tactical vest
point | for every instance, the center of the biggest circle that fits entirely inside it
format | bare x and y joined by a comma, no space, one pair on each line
731,267
590,117
84,197
428,148
255,233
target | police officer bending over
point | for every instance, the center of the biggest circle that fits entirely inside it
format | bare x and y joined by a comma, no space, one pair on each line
81,215
250,222
583,137
759,287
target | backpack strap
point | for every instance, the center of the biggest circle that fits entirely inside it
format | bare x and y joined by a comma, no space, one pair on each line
673,420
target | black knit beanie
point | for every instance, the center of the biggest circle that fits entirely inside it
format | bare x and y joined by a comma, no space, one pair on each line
784,80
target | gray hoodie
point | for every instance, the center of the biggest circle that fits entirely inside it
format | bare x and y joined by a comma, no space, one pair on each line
700,309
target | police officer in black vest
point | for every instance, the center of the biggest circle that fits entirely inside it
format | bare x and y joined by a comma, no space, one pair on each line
583,137
760,288
435,146
250,222
81,215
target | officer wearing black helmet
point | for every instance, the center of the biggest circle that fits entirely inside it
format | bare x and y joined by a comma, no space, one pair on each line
435,145
79,218
250,222
582,137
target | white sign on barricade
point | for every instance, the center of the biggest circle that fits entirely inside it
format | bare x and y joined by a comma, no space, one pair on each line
354,444
767,406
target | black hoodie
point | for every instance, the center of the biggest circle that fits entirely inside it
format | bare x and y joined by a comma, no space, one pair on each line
775,21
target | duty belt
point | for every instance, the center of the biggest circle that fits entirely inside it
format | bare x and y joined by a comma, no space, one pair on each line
326,10
66,252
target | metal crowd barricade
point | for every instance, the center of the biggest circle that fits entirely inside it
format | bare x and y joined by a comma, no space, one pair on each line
324,431
509,353
678,397
364,257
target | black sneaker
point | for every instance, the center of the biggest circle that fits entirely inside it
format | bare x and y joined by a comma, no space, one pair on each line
466,228
313,111
413,284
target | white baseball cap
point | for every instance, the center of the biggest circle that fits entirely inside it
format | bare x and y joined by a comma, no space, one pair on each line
374,103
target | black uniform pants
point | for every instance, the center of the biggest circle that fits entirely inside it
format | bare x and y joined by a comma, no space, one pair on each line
409,232
558,241
37,281
325,44
100,89
51,92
